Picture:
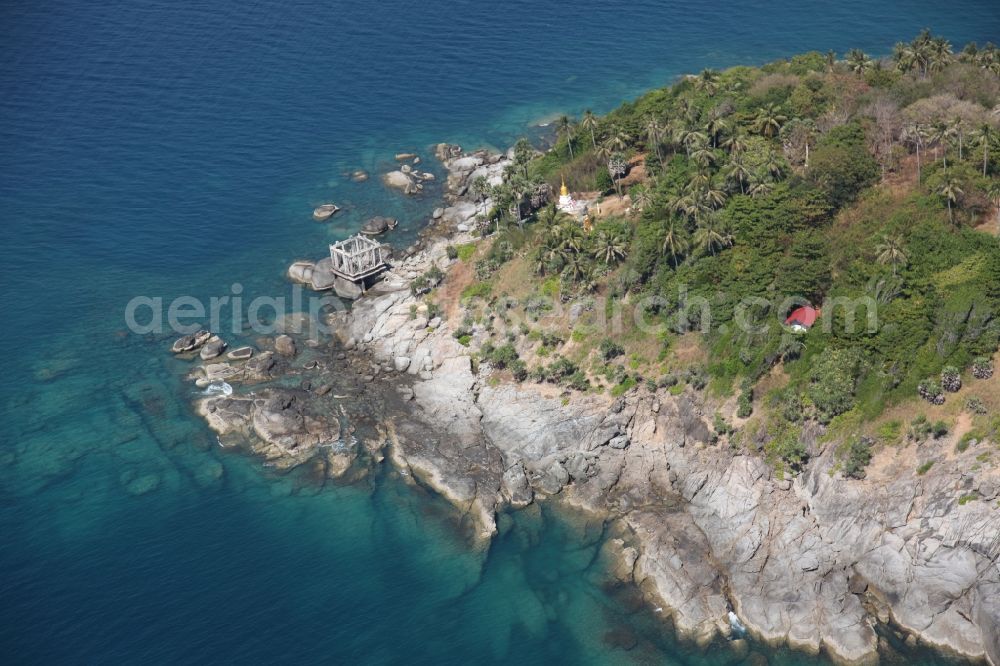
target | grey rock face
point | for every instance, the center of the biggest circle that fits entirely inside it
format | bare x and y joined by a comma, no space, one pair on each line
516,487
213,348
285,345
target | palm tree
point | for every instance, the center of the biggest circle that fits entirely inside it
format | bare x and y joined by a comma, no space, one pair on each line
703,155
760,184
737,172
575,268
480,188
565,129
617,141
985,136
715,126
951,191
937,135
940,54
859,62
688,136
713,197
654,134
993,192
890,251
610,248
550,218
711,234
735,143
769,120
956,129
588,124
914,135
905,57
523,152
774,166
707,81
675,239
641,197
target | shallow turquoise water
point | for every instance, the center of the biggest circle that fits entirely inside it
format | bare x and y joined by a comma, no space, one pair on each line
154,148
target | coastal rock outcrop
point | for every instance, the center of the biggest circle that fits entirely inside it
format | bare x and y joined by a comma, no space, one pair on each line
401,180
378,225
190,343
285,345
709,531
324,212
279,424
212,348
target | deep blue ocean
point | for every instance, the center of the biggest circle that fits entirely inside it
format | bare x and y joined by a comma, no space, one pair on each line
162,148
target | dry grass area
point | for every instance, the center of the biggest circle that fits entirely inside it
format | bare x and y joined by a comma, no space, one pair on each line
449,295
909,455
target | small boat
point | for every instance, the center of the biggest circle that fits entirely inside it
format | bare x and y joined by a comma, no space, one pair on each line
325,212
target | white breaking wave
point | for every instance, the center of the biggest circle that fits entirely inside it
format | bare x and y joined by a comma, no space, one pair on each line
218,388
737,626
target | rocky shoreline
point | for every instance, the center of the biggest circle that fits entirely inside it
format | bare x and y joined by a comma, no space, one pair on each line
816,562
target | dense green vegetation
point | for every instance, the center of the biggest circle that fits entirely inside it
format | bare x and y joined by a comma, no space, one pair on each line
855,183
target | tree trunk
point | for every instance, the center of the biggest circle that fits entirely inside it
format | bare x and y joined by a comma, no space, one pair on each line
985,156
951,216
918,162
593,140
807,154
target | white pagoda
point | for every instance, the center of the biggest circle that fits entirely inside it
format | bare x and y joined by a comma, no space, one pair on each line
568,204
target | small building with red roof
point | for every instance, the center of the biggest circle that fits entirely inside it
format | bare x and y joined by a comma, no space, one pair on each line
801,319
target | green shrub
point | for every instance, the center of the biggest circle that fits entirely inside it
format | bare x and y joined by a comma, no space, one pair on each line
833,381
720,426
477,290
966,441
968,497
926,467
623,387
975,405
859,454
890,431
451,252
785,447
939,429
920,429
610,349
464,252
578,381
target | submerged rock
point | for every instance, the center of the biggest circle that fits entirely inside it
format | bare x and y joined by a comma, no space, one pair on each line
325,212
285,345
400,181
190,343
378,225
212,348
301,272
240,354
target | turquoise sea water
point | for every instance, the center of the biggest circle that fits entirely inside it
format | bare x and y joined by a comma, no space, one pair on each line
166,148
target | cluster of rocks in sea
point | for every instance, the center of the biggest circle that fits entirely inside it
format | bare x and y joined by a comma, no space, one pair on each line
407,178
817,562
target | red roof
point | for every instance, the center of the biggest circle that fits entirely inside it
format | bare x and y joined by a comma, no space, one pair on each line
805,317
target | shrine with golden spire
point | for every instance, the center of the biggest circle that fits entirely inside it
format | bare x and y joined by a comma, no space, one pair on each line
568,204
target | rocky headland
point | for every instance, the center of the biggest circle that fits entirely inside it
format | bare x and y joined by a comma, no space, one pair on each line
819,562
